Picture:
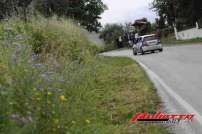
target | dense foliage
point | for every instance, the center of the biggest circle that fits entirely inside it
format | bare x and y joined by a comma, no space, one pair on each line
85,12
111,32
183,13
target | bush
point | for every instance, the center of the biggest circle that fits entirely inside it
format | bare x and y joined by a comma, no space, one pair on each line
111,33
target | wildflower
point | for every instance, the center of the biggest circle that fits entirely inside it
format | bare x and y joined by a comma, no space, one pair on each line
53,105
2,66
49,103
62,98
3,69
56,121
58,126
49,93
21,119
38,108
53,112
88,121
11,103
37,93
54,129
38,99
38,65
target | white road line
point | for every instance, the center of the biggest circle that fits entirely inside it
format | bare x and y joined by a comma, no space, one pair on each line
170,91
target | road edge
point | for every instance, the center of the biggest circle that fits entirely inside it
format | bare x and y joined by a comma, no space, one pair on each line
155,78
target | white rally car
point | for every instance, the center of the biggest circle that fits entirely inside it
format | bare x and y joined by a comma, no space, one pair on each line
147,43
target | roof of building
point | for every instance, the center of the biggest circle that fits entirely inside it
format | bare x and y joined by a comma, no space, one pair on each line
148,35
140,22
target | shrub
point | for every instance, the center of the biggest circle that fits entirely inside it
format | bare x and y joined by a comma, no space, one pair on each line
111,33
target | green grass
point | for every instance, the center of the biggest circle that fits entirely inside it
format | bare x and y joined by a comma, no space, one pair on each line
51,82
127,90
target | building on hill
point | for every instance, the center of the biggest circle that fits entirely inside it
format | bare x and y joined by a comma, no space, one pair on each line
141,26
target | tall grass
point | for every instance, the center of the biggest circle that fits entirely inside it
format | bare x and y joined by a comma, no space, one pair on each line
46,76
52,83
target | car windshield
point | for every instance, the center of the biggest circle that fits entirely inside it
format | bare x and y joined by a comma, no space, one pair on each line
150,38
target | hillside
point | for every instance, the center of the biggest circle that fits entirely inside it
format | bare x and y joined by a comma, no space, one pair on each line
52,82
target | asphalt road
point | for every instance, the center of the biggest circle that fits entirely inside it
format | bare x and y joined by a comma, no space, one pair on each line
177,74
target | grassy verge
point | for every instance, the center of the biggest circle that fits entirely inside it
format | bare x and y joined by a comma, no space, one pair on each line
171,40
126,91
51,82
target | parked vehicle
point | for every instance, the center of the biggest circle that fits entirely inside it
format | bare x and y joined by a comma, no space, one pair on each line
147,43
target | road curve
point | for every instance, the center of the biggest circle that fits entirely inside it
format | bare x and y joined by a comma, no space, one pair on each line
177,74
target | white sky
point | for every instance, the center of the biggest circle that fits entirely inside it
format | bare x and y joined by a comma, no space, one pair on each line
121,11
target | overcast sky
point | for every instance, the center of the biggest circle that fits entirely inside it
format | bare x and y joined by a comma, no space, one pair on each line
121,11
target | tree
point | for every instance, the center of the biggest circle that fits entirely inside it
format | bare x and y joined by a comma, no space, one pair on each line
92,11
51,7
181,12
14,7
111,32
23,4
86,12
